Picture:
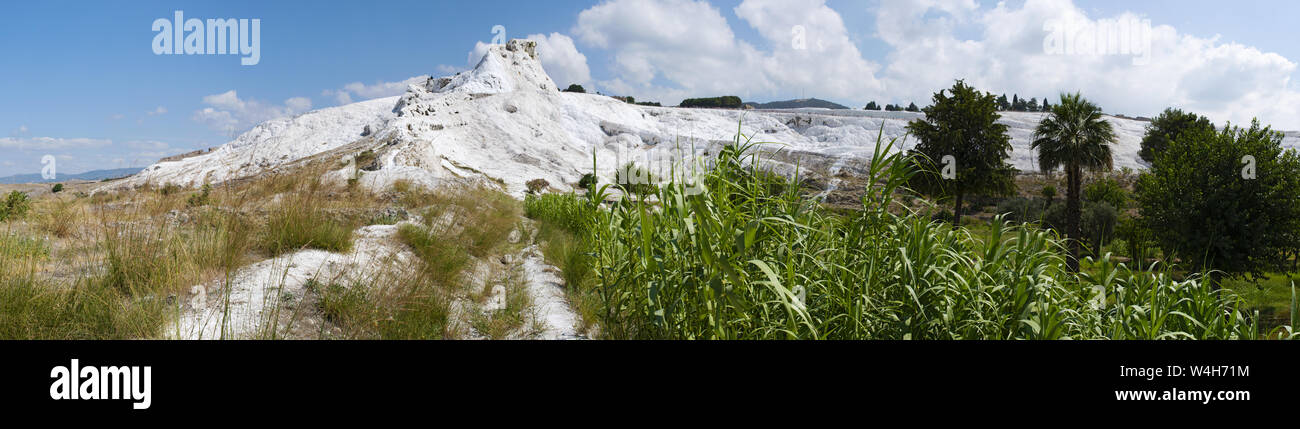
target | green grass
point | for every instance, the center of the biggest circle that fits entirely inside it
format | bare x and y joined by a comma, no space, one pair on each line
1271,296
87,310
748,260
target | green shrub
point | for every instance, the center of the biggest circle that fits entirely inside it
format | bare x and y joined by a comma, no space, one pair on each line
202,198
1106,191
58,187
588,181
16,206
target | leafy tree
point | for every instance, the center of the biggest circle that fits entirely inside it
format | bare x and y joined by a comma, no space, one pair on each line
912,108
872,106
962,123
58,187
1200,201
1106,191
1003,104
892,108
1166,127
1075,137
1047,107
576,88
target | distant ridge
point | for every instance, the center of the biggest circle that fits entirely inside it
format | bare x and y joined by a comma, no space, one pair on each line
89,175
798,104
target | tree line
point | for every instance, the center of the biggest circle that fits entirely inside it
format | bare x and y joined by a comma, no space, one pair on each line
1225,202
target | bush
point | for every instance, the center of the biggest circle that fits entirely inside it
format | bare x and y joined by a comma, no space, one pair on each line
576,88
16,205
202,198
588,181
1106,191
58,187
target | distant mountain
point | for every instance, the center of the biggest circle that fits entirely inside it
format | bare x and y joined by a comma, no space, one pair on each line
797,104
89,175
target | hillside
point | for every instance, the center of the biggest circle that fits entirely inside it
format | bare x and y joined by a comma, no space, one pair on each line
506,122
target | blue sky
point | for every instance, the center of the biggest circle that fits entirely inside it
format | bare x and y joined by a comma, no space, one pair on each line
79,80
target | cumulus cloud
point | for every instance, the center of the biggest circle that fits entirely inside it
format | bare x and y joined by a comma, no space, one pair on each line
1225,81
227,112
669,49
561,59
357,91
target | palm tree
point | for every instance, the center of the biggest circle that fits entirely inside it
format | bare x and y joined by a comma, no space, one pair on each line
1075,137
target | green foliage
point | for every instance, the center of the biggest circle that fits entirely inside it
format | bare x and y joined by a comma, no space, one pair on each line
1169,126
1048,193
725,102
1020,210
588,181
89,310
1139,243
962,124
732,260
912,108
1106,191
16,205
58,187
202,198
1201,208
576,88
636,180
872,106
297,226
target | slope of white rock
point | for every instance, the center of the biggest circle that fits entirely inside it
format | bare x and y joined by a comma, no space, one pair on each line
505,121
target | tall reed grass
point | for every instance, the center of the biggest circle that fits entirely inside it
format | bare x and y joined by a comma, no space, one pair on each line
749,260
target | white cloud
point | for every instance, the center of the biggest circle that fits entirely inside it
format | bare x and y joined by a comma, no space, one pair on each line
227,112
158,111
1227,82
561,59
51,143
379,89
670,49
